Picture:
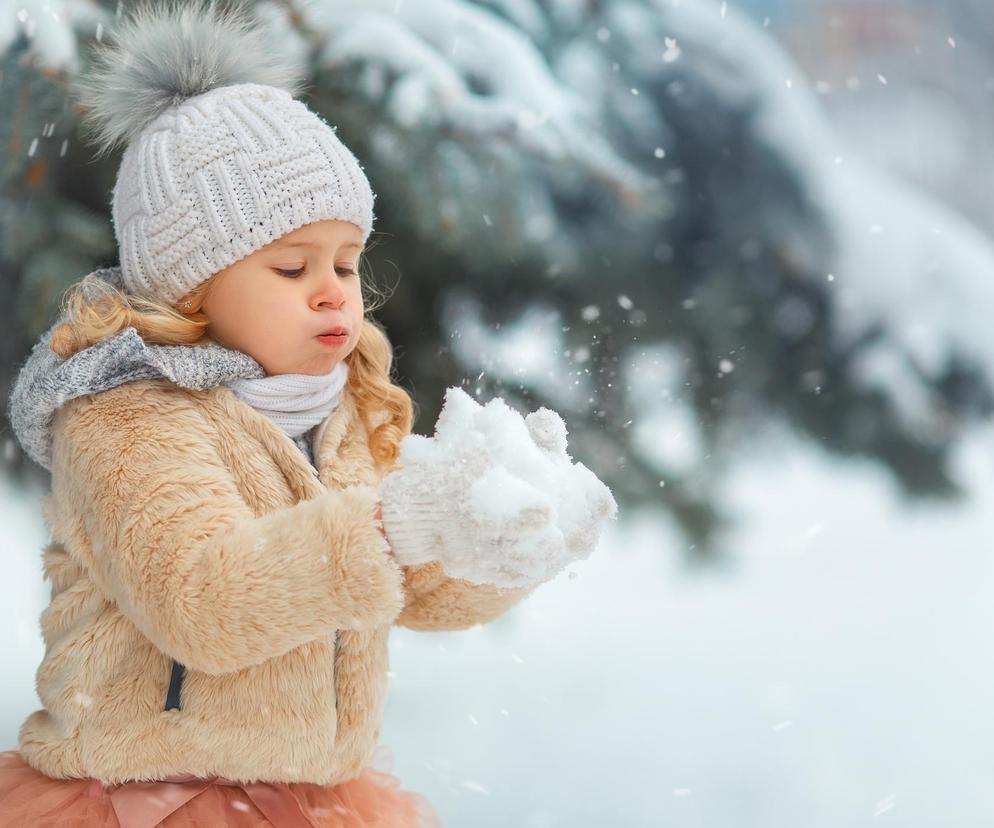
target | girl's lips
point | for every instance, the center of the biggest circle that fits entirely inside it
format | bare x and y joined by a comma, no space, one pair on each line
333,339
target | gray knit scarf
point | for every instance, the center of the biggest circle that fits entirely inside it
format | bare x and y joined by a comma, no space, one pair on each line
46,381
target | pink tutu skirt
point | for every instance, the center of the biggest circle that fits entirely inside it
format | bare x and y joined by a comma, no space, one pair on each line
374,799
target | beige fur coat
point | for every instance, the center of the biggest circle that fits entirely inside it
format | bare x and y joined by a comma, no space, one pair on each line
186,525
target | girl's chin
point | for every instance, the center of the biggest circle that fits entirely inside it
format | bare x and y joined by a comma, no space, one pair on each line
314,368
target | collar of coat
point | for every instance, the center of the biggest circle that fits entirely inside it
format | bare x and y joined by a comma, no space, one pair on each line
342,456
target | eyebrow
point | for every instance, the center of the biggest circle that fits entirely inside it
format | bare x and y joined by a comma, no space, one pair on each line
312,244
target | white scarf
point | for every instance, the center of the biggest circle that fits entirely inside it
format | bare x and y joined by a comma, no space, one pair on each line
295,402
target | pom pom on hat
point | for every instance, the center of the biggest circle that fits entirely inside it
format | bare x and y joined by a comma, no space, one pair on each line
165,52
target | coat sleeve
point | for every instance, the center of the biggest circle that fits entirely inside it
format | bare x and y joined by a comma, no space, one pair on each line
172,541
434,601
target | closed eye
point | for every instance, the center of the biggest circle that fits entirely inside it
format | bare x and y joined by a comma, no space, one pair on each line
293,274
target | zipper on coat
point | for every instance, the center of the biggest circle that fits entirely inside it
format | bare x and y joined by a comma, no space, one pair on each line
175,685
179,672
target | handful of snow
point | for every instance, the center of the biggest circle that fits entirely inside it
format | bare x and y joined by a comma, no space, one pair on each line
493,496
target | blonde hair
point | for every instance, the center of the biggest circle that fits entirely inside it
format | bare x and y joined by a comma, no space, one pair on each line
95,310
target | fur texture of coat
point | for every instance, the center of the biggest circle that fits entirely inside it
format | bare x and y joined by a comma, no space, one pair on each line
186,525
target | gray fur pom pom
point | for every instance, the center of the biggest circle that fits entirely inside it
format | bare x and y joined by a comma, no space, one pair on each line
166,52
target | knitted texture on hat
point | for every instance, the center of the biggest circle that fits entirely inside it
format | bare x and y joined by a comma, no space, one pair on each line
221,158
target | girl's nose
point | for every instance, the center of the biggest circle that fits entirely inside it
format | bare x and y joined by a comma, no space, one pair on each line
329,290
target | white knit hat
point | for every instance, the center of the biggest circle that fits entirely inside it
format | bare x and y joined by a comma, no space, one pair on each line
221,158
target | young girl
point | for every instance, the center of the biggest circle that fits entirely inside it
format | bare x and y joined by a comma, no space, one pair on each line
221,428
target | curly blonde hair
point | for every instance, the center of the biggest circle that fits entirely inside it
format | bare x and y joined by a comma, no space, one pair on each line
95,310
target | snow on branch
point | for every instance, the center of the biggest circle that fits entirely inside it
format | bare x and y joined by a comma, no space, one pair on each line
464,70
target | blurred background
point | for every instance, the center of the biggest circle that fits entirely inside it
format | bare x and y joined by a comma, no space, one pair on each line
745,249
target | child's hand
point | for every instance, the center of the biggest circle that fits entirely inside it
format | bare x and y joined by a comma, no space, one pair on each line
533,450
584,502
451,502
493,496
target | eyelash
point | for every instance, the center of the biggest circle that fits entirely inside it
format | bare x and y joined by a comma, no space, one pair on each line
293,274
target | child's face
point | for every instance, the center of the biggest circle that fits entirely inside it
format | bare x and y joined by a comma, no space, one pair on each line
273,303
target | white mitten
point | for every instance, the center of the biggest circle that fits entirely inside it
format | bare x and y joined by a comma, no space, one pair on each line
533,449
450,502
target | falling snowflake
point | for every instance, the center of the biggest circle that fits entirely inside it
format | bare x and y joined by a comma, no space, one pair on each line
475,786
884,805
672,50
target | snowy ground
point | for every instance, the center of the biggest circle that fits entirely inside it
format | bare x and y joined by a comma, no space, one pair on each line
839,675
